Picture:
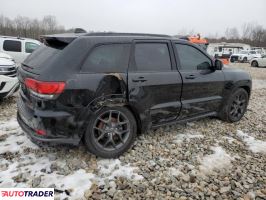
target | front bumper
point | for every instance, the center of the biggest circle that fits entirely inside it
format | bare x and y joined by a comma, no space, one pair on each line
8,86
31,120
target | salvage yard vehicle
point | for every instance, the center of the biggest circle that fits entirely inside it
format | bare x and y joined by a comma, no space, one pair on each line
258,62
245,56
120,84
8,77
6,56
17,47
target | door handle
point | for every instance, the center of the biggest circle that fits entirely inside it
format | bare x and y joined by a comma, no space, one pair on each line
139,79
191,76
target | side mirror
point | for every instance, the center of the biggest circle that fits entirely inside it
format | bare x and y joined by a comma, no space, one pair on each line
218,65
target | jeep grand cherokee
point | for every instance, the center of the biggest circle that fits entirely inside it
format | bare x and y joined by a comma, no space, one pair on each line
103,88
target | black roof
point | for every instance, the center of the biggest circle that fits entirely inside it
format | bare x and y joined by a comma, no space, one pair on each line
66,38
126,34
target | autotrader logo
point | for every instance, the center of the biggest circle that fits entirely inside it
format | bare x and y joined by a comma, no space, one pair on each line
26,193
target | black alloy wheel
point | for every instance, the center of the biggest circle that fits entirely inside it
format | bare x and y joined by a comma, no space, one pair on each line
238,106
235,106
110,132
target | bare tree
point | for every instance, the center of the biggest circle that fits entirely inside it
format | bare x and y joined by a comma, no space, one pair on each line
26,27
232,33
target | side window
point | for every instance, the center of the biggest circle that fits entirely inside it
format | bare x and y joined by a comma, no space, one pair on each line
108,58
191,58
30,47
12,45
152,57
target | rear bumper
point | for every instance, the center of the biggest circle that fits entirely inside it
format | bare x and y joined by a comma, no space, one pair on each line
30,121
36,138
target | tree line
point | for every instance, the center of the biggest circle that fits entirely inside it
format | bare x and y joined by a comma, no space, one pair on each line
251,33
30,28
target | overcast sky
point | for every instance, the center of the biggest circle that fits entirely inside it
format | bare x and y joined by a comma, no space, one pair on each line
207,17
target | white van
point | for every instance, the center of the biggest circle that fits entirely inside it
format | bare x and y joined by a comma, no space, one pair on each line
18,48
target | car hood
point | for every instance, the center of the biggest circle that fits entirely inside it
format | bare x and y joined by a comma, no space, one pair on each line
4,55
6,62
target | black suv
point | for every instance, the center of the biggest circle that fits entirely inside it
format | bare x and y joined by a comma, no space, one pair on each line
103,88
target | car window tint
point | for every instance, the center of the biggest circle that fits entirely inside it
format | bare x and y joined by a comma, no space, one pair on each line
108,58
12,45
191,58
30,47
152,57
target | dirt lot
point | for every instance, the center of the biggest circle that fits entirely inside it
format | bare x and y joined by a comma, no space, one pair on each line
207,159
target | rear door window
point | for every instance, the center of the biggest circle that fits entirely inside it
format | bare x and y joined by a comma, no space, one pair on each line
152,57
12,45
30,47
108,58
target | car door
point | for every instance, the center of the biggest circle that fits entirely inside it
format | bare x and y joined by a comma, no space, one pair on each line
154,84
202,85
262,61
13,48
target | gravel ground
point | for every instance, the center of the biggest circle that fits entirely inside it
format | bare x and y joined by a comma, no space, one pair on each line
206,159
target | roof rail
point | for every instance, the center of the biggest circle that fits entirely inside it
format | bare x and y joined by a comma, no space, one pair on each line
125,34
14,37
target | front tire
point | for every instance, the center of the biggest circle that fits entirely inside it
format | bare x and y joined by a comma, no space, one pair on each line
236,106
110,132
254,64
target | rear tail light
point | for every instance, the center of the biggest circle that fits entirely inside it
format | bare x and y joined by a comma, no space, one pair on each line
44,89
40,132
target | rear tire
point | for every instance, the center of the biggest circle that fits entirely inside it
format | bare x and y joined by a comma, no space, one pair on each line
254,64
110,132
245,59
236,106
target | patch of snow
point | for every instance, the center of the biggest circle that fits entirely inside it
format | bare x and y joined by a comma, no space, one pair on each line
16,143
16,140
111,168
78,182
218,160
9,125
28,165
31,165
229,139
181,137
256,146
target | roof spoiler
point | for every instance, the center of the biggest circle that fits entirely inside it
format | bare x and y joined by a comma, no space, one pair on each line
59,41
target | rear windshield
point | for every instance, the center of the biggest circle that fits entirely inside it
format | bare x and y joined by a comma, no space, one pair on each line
40,57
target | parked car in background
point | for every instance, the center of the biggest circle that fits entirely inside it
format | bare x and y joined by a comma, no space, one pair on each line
120,84
18,48
8,77
245,56
6,56
258,62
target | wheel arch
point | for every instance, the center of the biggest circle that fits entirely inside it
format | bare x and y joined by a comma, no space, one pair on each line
137,117
247,88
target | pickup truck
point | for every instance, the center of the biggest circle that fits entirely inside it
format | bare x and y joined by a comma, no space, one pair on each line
245,56
104,88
